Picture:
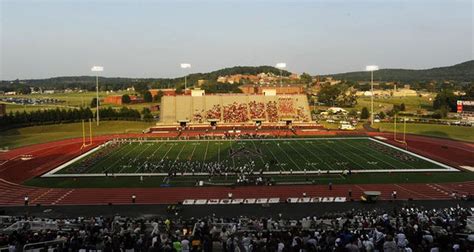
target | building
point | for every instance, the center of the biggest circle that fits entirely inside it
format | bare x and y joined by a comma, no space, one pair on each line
117,99
3,110
279,89
166,91
113,99
154,108
201,82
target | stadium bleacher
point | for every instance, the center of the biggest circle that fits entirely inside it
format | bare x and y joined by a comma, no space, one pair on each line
404,229
234,108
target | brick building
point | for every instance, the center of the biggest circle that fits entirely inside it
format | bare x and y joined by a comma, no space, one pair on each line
166,91
284,89
117,99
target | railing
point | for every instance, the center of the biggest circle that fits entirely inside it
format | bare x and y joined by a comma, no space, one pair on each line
32,225
33,247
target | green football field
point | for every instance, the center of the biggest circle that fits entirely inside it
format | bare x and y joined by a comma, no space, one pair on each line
270,156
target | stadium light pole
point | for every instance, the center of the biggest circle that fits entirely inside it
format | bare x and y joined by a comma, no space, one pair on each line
184,66
97,69
280,66
371,69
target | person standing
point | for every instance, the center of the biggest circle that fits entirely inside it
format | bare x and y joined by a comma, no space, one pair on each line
134,198
27,199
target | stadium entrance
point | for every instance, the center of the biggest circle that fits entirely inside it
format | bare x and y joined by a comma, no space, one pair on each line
213,123
183,123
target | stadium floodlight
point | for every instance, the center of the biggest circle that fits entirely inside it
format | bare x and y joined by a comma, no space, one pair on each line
280,66
184,66
97,69
371,69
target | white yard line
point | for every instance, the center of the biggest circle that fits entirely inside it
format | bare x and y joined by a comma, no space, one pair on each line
369,153
299,168
151,157
327,153
314,155
347,159
179,153
138,156
205,153
261,158
299,153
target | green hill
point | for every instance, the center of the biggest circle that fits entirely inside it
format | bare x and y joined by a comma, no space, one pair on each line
463,72
88,82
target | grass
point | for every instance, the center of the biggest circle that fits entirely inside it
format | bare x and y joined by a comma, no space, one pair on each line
412,103
71,100
262,155
40,134
367,178
434,130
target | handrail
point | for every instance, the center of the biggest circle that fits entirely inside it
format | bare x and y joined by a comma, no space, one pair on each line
43,243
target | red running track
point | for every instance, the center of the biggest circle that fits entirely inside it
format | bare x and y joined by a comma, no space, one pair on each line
14,171
12,194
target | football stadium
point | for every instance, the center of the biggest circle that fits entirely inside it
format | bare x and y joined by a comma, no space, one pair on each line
109,143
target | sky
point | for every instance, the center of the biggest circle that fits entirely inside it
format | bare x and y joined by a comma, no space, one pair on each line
42,39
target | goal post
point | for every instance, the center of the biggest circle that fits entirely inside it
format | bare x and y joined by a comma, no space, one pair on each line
403,140
84,143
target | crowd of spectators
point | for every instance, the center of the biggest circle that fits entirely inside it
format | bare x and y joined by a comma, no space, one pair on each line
243,112
272,111
405,229
286,107
214,112
257,110
197,117
235,112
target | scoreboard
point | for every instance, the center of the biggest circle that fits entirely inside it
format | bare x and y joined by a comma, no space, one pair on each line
465,109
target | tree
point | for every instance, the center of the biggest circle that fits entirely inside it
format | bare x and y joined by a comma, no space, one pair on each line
23,89
147,116
157,97
352,113
306,78
445,99
402,107
141,88
469,89
126,99
179,89
364,113
94,102
328,94
148,97
382,115
339,94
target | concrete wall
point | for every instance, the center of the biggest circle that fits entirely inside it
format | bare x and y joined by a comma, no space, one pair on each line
185,107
